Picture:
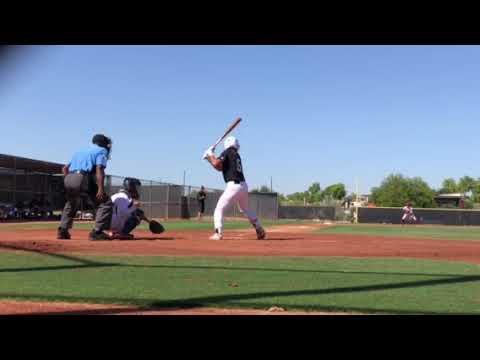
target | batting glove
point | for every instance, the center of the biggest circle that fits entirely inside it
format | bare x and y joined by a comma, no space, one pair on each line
208,152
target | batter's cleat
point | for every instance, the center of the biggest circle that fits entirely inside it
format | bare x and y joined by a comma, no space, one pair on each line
216,236
63,234
261,234
98,236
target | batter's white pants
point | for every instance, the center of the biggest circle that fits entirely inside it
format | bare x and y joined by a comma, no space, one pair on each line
234,193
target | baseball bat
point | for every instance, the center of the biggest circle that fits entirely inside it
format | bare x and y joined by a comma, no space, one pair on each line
228,131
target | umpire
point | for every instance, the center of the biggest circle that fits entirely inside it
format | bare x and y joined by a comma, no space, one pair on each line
84,178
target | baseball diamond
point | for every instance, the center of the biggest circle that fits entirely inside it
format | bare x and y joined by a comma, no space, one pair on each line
303,268
317,180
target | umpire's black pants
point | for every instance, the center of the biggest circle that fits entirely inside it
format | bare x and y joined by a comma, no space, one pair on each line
83,186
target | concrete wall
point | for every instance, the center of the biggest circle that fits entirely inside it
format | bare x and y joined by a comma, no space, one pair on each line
306,212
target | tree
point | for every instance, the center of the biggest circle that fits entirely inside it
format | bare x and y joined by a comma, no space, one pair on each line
314,193
262,189
393,192
311,196
449,186
420,193
476,192
466,184
335,191
468,204
396,190
297,197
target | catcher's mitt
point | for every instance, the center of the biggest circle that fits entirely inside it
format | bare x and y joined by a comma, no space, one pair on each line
156,227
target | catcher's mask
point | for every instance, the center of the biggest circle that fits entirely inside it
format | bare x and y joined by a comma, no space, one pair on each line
104,142
131,185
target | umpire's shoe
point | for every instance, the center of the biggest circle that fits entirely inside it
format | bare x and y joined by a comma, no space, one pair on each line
98,236
63,234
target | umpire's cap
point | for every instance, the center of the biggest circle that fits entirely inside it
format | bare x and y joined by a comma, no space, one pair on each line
103,141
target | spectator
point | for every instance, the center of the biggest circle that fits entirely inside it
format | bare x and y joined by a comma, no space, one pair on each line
201,196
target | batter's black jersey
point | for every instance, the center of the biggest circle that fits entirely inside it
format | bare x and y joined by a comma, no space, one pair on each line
232,165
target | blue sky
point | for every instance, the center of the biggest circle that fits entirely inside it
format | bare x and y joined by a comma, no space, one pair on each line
310,113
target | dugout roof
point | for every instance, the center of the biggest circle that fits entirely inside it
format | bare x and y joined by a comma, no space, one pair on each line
450,196
30,165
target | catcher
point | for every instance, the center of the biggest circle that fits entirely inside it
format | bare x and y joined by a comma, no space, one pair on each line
127,214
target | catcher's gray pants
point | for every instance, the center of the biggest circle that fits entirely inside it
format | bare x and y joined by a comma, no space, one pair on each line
132,222
83,186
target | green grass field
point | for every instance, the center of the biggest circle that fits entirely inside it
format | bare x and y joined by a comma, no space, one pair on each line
431,232
396,286
172,225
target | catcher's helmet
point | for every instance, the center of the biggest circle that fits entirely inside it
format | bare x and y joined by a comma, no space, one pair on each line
103,141
131,185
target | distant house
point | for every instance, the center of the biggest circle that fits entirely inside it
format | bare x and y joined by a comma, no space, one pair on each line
450,200
363,200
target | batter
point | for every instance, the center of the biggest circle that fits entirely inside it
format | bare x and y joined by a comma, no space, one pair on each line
236,191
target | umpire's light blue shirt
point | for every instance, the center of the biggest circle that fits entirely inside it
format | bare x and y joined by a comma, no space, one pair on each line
88,159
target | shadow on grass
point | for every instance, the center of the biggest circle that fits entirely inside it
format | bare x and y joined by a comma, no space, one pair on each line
80,262
230,300
86,263
238,300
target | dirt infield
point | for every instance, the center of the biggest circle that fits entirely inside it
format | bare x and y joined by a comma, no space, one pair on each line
286,240
59,308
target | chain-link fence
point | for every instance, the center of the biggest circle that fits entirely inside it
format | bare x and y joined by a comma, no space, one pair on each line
29,195
164,200
26,193
264,204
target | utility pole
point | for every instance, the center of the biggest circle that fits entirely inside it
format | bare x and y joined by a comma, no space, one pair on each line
356,191
184,173
271,184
